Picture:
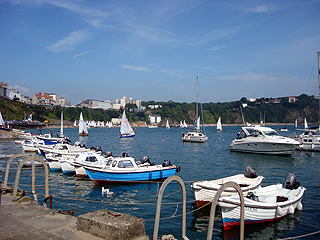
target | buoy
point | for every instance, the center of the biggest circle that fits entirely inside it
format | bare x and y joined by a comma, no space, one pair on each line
291,210
162,140
279,211
299,206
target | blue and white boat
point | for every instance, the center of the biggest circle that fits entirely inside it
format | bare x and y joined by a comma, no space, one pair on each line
125,128
126,169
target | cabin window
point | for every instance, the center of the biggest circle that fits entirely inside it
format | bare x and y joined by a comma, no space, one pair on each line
114,163
125,164
109,163
91,159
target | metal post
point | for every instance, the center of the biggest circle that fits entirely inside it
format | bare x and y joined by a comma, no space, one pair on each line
184,206
214,205
5,183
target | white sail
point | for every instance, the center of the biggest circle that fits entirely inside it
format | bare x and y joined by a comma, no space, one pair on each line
305,124
167,125
184,124
1,120
61,126
219,126
110,124
198,124
82,125
125,128
296,123
75,123
181,124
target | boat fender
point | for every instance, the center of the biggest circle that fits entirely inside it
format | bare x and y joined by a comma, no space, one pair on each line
299,206
125,154
178,168
166,163
250,173
279,211
291,209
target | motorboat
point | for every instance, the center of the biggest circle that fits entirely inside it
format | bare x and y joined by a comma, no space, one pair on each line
310,140
127,169
90,159
204,191
284,129
32,145
196,135
64,148
50,140
263,140
264,204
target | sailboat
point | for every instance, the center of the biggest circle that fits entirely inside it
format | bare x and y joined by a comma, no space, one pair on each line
83,131
60,134
219,126
184,124
296,123
167,125
197,135
305,124
125,128
310,139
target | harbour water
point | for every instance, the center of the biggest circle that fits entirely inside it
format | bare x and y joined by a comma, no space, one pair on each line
207,161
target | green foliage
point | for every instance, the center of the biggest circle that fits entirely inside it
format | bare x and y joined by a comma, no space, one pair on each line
262,109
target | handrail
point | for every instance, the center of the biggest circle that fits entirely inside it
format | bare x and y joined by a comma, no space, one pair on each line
27,159
184,206
214,205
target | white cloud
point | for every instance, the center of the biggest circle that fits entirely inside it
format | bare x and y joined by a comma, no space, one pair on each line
173,72
143,69
70,42
81,54
22,90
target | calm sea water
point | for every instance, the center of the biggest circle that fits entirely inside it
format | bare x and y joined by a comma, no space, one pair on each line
207,161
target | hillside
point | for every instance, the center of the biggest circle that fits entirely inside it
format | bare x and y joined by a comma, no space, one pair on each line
280,111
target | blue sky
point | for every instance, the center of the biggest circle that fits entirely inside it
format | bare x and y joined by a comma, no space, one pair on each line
154,50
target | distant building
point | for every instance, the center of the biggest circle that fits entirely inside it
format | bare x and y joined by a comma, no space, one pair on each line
43,99
154,119
276,100
252,99
13,94
63,102
95,104
244,105
154,106
3,90
116,121
123,101
292,99
25,99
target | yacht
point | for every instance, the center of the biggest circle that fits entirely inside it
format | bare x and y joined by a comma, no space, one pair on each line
263,140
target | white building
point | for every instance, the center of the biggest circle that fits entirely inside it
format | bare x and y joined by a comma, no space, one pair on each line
12,93
154,119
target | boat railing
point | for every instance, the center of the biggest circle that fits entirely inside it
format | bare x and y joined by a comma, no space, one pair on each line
212,211
31,159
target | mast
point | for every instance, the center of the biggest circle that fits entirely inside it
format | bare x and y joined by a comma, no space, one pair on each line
197,98
319,84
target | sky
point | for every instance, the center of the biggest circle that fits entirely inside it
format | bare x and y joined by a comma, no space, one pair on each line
154,50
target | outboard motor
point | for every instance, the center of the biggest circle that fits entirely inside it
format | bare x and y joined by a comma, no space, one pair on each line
98,149
125,154
250,173
166,163
145,159
291,182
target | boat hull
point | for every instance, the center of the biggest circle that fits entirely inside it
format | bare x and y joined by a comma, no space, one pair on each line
204,191
127,136
260,211
105,176
271,148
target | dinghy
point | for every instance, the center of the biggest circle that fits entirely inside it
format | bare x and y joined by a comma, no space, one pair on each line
264,204
204,191
125,128
83,131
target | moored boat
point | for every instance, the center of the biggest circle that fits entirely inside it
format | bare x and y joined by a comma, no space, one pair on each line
126,169
204,191
126,130
263,205
263,140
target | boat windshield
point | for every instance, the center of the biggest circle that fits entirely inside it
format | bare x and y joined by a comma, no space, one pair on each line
125,164
271,133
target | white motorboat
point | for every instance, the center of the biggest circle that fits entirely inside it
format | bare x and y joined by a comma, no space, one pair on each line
204,191
263,205
197,135
310,140
32,145
90,159
64,149
263,140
